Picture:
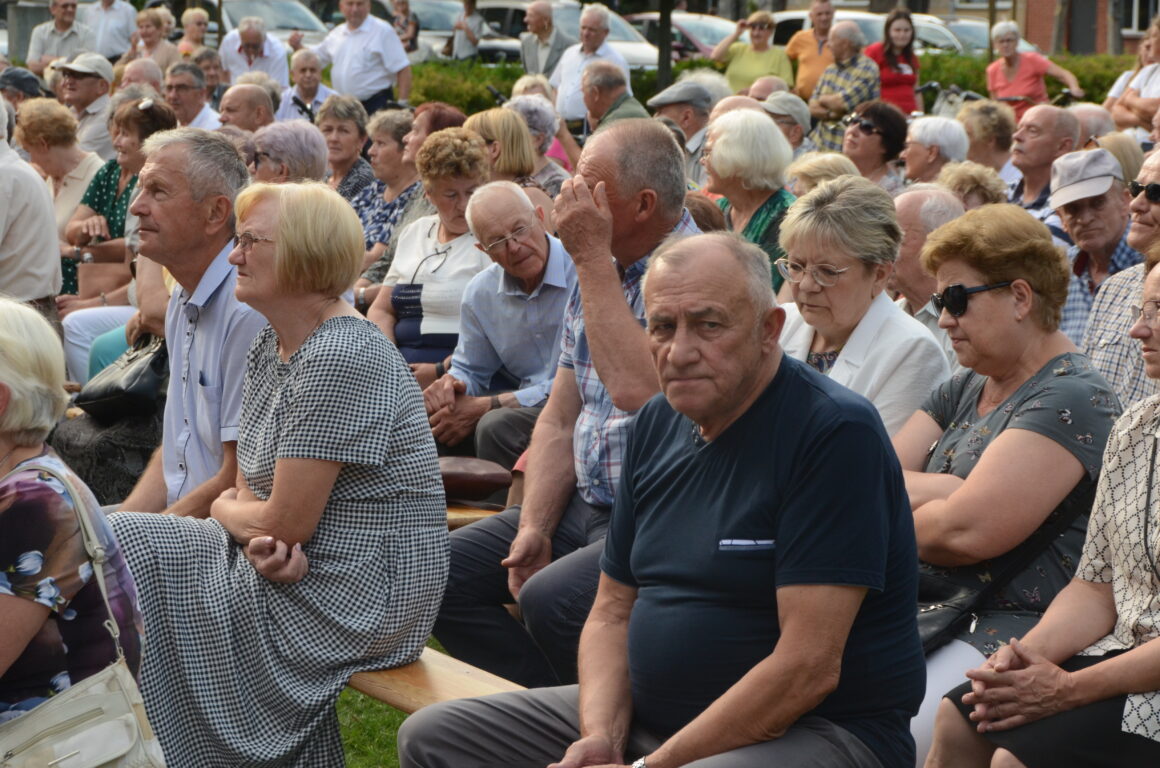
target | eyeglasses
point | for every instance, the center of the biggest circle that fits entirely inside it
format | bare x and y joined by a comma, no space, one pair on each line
517,235
825,275
1151,191
760,25
1147,313
954,297
245,241
68,74
864,125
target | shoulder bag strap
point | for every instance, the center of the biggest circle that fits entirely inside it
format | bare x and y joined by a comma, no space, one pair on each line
93,546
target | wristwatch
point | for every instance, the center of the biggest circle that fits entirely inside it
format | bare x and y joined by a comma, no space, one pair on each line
639,763
86,258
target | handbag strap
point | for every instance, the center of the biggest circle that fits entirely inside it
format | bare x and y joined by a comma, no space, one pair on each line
93,546
1036,544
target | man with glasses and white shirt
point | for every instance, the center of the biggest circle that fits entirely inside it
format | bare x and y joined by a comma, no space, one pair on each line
567,79
185,92
60,38
509,330
368,57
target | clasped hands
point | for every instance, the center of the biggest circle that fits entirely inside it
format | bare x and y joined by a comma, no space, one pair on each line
451,412
273,559
1016,686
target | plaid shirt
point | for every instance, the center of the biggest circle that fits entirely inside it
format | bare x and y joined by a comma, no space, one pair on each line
1080,290
1042,210
857,80
601,433
1113,353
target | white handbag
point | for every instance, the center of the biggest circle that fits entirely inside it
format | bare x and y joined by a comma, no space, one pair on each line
99,721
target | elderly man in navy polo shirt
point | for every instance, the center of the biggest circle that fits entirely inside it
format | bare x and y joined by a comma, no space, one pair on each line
509,329
756,598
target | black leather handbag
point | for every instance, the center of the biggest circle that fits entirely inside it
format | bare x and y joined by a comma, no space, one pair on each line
130,385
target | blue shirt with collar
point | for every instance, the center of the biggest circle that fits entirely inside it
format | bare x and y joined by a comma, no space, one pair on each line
510,335
208,334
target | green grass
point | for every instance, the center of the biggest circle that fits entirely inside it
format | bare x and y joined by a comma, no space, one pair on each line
368,731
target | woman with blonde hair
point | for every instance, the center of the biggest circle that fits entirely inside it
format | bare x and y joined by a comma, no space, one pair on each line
194,23
149,40
812,168
54,633
1124,148
339,499
757,58
973,184
510,150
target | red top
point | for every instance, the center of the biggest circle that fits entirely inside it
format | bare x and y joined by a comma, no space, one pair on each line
898,82
1028,81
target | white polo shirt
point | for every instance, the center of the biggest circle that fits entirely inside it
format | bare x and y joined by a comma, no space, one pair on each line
111,27
207,119
570,69
272,60
366,60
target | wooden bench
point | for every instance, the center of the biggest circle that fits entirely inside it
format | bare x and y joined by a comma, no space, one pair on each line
459,515
433,678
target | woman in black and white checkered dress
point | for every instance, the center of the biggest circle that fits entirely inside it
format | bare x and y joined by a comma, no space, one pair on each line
339,501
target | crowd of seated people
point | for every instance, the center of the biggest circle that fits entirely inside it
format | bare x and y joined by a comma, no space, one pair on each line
926,357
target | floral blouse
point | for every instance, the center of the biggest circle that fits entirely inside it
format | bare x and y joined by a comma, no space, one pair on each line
43,559
1067,401
379,217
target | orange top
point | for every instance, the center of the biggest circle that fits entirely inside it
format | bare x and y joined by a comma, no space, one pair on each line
812,60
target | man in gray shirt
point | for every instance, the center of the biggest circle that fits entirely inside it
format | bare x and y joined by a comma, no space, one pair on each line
61,38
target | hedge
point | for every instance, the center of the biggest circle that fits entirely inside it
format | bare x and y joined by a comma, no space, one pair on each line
465,84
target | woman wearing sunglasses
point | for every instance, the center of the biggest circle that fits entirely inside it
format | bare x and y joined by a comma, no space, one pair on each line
875,135
757,58
842,240
998,448
1095,709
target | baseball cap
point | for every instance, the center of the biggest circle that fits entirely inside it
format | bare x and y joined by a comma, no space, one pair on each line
790,105
20,79
90,64
1078,175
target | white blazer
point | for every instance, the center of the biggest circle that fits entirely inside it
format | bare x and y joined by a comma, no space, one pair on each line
891,359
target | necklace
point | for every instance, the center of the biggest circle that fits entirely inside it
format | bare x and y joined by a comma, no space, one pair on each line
7,456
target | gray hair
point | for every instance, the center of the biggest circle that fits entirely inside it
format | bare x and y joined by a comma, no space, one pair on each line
339,107
149,69
850,215
678,250
520,202
647,157
849,30
749,146
185,68
213,164
939,205
252,23
304,53
600,11
604,76
395,123
540,116
948,135
206,54
1094,120
1004,28
132,92
32,368
296,143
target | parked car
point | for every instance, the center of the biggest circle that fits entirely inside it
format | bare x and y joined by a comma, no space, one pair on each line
436,26
507,17
695,35
931,35
282,17
975,36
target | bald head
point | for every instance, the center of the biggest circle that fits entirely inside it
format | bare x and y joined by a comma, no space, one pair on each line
765,85
247,107
143,71
538,18
730,103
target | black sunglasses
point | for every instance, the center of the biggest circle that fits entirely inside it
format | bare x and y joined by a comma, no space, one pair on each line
864,125
954,297
1151,191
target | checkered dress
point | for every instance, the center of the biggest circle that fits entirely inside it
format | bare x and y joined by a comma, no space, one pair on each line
241,671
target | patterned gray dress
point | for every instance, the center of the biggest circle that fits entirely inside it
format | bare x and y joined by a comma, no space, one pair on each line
238,670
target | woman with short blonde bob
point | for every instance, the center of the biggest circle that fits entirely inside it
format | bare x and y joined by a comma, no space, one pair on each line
194,23
150,40
842,241
973,183
510,150
812,168
339,499
1016,439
